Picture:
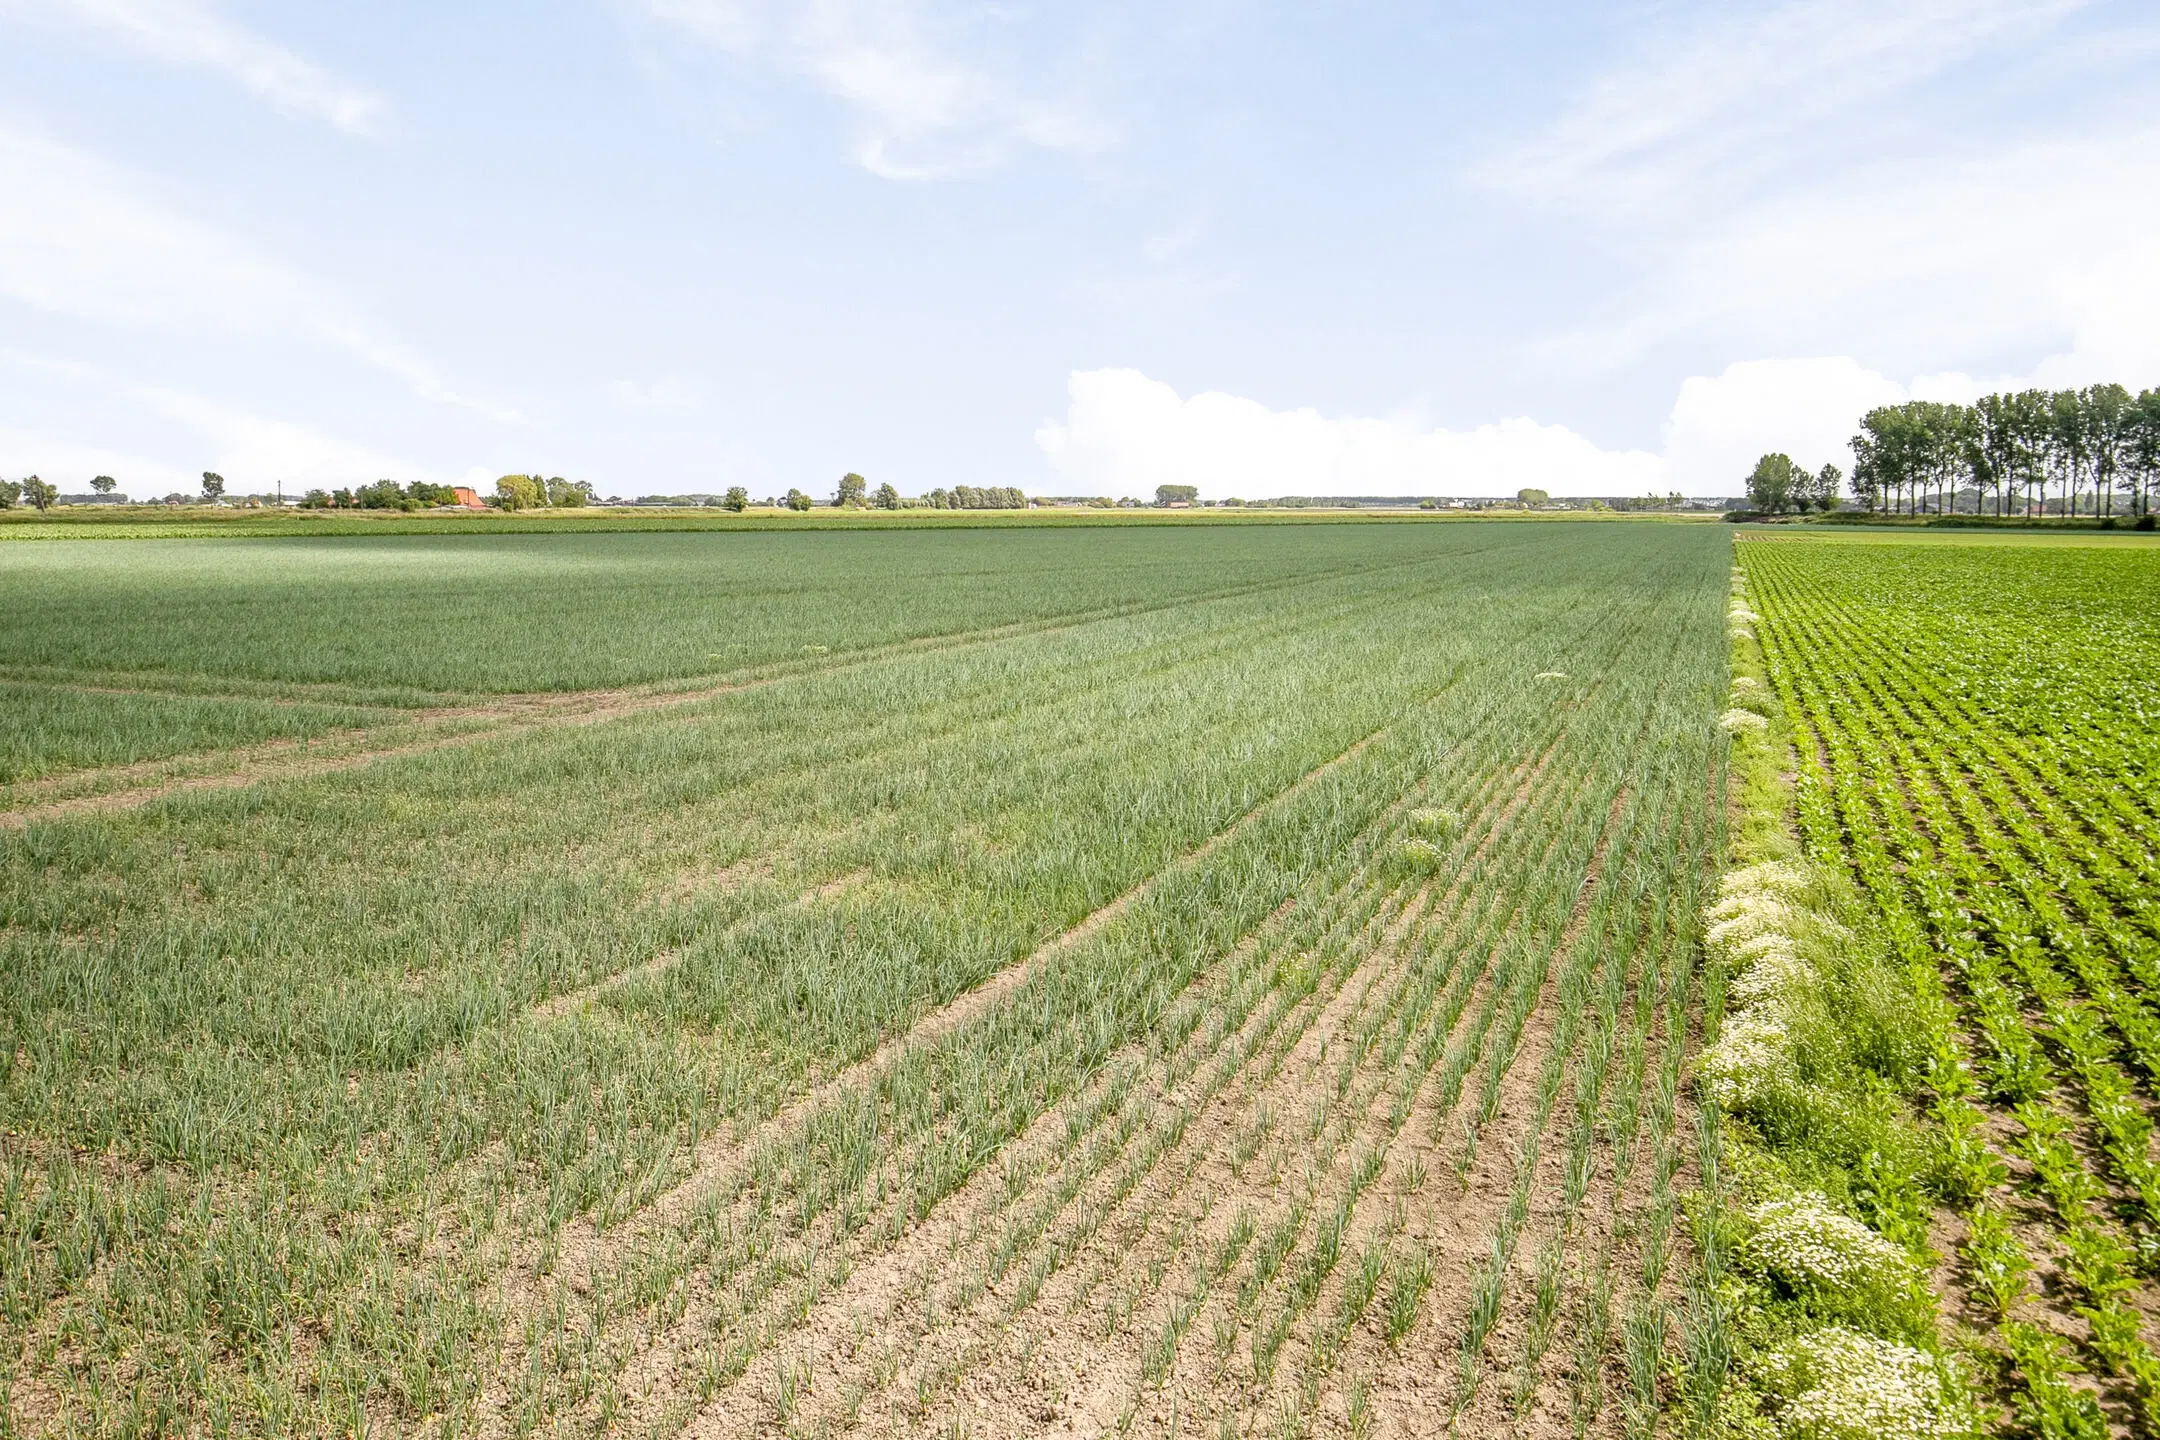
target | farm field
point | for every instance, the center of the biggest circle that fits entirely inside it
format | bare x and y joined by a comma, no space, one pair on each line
1145,981
148,649
1976,762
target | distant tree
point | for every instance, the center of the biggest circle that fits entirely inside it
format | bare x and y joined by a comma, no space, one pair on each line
315,500
2110,434
1168,495
10,492
1532,497
738,499
796,500
886,497
2143,460
1771,486
851,491
103,484
1829,482
40,493
573,493
213,486
519,492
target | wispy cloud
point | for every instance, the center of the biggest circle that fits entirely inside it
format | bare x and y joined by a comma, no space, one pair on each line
935,91
80,237
1716,95
669,392
253,451
2041,248
182,32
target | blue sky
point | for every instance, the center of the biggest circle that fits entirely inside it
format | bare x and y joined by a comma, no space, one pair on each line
673,245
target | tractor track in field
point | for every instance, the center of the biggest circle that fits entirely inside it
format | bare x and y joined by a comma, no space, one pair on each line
723,1161
1410,1388
655,966
1298,1043
79,792
884,1295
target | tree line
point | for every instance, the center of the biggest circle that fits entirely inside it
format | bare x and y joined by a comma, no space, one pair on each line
2090,447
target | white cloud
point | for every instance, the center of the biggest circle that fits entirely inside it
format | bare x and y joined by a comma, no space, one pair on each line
1716,95
934,93
79,237
70,463
2043,249
184,33
1124,434
253,452
1720,424
669,392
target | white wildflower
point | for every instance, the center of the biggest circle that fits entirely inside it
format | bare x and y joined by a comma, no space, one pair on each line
1758,948
1768,878
1436,820
1422,854
1751,915
1775,979
1849,1386
1752,1057
1733,721
1803,1241
1739,614
1764,893
1749,685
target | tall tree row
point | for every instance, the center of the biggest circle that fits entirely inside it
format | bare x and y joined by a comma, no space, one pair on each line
2094,451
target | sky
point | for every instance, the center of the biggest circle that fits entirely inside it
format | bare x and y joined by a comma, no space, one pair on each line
673,246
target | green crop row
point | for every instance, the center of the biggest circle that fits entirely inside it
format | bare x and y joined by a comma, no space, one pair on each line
468,1087
1973,809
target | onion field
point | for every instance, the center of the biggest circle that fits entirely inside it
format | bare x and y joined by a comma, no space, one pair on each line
1156,981
1942,1059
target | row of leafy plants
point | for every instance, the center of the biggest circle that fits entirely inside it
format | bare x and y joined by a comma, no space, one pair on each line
1809,1311
1937,1034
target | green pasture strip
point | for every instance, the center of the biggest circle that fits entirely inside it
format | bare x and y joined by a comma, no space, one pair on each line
45,754
49,730
583,611
391,731
165,684
162,522
2083,535
268,1052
